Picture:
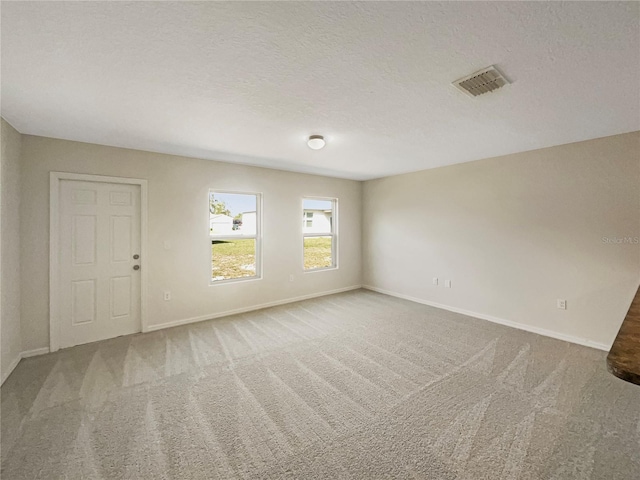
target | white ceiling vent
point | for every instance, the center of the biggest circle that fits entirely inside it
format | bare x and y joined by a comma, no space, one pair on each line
483,81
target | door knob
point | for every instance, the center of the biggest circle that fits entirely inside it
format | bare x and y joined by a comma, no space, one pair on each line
136,267
136,256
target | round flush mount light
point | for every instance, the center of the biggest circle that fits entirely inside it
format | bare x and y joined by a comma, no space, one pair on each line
316,142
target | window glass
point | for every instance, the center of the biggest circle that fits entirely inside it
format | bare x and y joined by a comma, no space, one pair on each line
317,215
318,252
319,236
233,230
233,259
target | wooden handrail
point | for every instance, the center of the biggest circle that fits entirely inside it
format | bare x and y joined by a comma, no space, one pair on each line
624,357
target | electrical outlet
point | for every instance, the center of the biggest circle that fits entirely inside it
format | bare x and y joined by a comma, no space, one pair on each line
167,296
562,304
447,283
435,280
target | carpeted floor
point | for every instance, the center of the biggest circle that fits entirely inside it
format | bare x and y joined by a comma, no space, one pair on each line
356,385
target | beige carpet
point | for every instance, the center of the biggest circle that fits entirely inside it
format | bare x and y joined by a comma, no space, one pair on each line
356,385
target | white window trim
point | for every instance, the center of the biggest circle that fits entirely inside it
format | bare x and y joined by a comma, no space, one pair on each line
333,234
257,237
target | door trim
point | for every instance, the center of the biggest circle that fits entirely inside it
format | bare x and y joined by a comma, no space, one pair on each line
54,250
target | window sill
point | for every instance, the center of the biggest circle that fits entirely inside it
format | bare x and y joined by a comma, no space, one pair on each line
213,283
324,269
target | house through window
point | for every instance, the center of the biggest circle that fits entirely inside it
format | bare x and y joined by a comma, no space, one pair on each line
234,231
318,231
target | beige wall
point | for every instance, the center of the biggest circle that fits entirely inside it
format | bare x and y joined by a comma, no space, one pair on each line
178,213
514,234
10,247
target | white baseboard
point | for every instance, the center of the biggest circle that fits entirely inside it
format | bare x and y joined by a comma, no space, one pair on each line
20,356
34,352
176,323
509,323
482,316
201,318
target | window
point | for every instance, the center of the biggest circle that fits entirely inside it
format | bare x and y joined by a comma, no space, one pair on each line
319,240
234,231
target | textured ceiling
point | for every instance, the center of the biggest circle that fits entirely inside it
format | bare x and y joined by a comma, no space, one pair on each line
248,82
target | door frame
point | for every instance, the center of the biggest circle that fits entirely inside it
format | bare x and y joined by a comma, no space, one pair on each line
54,248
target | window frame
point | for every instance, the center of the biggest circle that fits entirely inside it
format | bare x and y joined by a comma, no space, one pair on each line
257,237
333,234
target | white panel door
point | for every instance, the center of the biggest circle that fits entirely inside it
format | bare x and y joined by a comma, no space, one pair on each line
99,261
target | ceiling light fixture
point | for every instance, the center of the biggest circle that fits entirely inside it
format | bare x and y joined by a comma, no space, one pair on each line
316,142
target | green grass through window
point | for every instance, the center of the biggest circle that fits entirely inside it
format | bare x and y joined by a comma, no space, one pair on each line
317,252
237,258
233,259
